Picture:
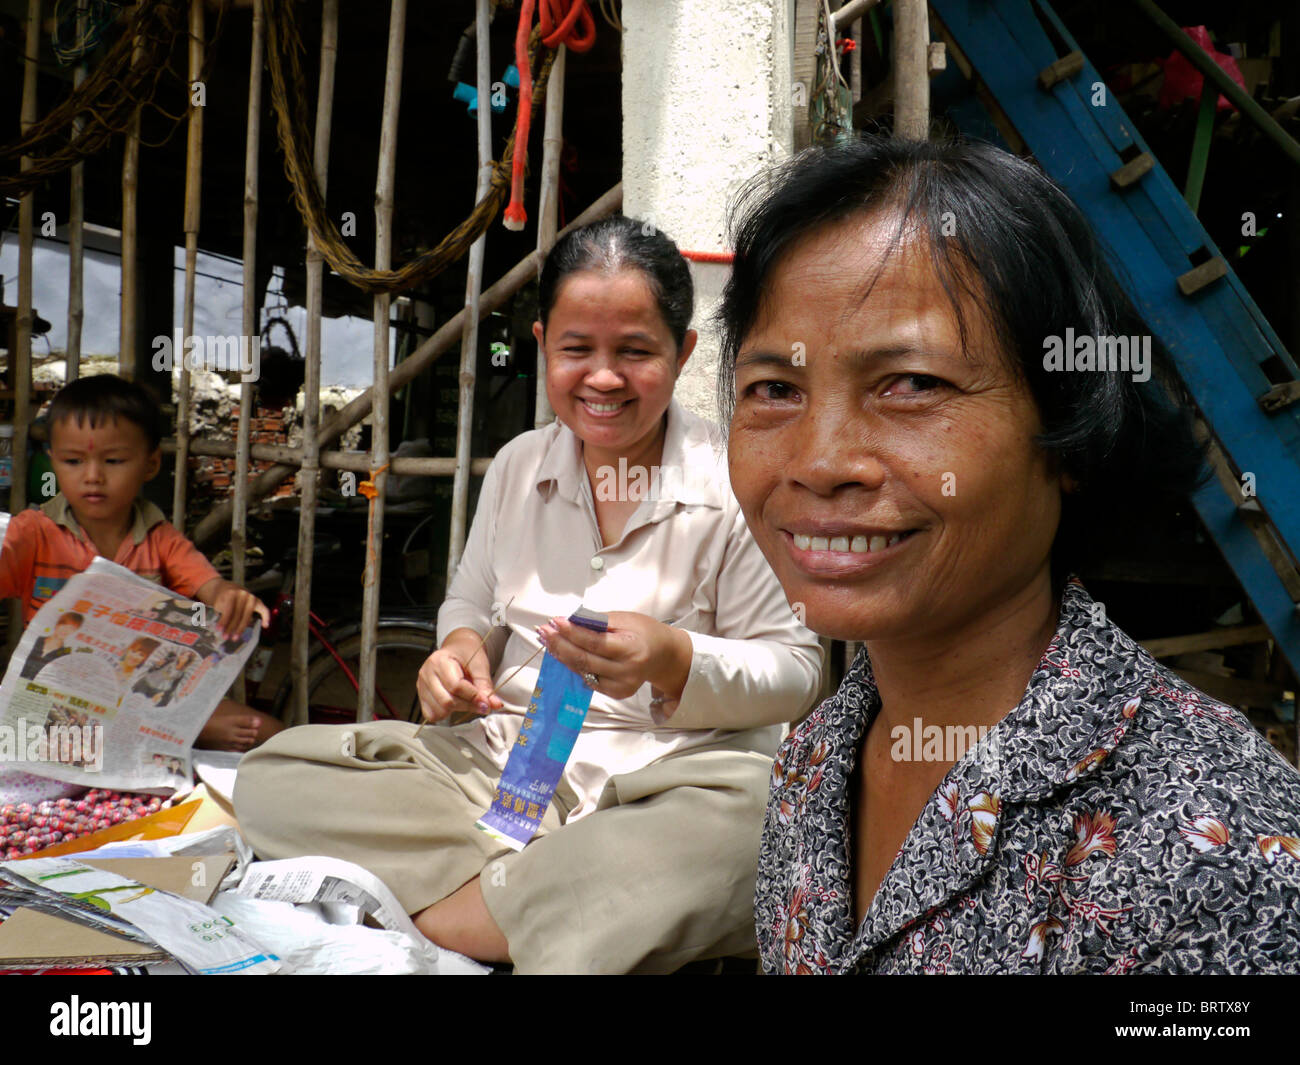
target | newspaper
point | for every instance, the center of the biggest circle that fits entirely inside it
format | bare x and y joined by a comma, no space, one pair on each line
112,681
327,880
198,937
333,885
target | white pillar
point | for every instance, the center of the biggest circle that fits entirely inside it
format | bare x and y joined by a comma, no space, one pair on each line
706,104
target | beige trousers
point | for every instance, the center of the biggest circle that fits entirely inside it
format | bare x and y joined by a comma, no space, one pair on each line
660,874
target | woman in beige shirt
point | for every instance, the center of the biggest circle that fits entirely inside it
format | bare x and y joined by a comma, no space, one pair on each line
646,856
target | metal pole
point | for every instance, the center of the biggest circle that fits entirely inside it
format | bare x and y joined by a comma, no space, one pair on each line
310,479
411,367
473,288
193,202
379,419
548,209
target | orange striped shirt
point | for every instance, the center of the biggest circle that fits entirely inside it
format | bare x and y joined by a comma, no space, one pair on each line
46,546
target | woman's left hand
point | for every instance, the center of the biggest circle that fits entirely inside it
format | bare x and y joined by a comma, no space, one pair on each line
634,651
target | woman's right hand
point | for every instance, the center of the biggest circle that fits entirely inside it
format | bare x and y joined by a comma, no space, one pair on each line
457,678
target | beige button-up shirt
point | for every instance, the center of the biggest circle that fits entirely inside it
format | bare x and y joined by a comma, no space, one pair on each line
685,557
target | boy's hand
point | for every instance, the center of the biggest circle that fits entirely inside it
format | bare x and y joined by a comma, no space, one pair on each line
235,605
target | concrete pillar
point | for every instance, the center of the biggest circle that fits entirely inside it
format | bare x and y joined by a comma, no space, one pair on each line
706,104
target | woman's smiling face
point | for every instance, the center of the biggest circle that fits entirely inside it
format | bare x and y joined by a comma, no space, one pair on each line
611,361
892,481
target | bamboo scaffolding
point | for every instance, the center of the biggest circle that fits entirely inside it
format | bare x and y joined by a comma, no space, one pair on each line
310,479
193,204
911,69
548,208
76,224
851,12
415,364
20,365
379,420
473,289
355,461
249,308
126,336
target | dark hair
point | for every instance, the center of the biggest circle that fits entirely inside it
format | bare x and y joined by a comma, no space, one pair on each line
104,398
1003,234
70,615
621,243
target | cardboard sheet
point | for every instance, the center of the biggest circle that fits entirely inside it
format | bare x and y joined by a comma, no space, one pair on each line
30,939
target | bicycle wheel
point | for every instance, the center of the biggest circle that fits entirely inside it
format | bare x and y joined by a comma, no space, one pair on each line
400,651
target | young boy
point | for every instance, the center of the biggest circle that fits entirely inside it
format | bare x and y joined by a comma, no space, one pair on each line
105,436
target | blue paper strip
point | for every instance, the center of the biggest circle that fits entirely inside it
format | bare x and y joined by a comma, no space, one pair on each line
551,726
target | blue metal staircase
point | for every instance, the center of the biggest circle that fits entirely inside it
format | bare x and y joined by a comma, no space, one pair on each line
1179,281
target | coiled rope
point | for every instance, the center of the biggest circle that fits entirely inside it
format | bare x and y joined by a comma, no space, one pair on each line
289,101
107,100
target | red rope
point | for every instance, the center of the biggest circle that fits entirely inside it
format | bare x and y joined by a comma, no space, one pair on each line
566,22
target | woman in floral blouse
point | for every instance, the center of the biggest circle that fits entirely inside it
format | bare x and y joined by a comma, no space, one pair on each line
1005,781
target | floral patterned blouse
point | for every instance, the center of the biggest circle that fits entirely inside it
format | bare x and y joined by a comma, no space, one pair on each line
1116,821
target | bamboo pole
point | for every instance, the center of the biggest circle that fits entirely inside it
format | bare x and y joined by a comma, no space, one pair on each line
21,363
473,289
193,203
911,69
249,308
310,479
548,208
356,461
379,419
851,12
415,364
76,223
130,266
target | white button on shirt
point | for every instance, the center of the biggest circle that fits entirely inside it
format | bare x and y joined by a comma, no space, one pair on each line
686,555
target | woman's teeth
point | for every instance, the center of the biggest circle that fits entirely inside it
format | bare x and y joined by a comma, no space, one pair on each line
858,545
603,408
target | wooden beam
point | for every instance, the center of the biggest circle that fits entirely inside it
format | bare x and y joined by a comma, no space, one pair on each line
1235,691
1168,646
